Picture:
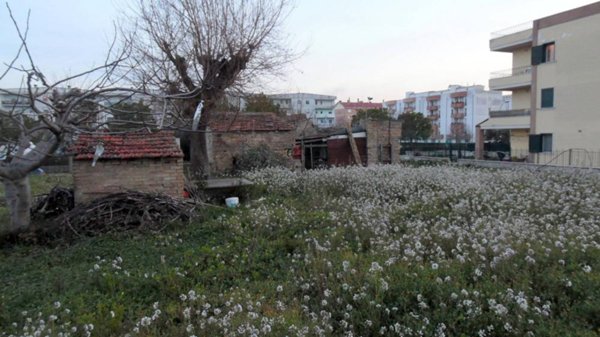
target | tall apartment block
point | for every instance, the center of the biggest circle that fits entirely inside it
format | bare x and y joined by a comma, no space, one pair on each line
555,85
454,112
318,108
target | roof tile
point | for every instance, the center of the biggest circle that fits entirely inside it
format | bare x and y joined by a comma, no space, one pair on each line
135,145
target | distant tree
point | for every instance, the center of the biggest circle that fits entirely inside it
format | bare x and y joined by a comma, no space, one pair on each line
415,126
261,103
130,116
373,114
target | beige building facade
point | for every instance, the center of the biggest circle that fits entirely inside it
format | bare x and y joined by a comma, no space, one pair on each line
555,85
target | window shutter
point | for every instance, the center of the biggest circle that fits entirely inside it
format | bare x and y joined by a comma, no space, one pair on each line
535,143
537,55
548,98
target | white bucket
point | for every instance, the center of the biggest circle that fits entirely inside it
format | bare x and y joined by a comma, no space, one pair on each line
232,202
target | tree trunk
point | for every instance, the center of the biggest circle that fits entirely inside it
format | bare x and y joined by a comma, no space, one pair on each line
199,156
199,161
18,200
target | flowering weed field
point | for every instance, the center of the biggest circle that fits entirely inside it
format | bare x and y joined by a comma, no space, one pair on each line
379,251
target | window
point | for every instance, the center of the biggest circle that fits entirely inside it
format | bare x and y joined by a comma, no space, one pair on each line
543,54
330,112
546,142
307,102
548,98
540,143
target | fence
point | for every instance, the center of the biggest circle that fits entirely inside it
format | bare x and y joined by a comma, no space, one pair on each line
452,151
569,157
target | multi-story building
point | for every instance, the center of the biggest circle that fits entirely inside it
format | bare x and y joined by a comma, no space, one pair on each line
315,107
555,85
18,101
344,111
453,112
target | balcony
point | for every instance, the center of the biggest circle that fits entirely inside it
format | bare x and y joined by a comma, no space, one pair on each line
434,117
458,115
409,109
509,113
433,107
457,129
458,105
512,38
511,78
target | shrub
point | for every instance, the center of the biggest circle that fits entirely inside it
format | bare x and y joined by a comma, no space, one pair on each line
258,157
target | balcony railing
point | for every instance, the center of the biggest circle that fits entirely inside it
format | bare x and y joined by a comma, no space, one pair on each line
510,113
511,30
458,115
433,107
434,116
511,72
458,105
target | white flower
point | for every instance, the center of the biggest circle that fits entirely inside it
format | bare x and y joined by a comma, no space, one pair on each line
145,321
279,288
587,268
375,267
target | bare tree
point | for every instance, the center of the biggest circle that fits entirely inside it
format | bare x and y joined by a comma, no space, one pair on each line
49,113
199,49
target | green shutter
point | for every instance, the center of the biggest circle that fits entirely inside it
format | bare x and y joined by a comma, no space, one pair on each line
535,143
548,98
537,55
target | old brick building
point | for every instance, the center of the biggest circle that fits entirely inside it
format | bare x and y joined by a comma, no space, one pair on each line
377,142
141,161
232,133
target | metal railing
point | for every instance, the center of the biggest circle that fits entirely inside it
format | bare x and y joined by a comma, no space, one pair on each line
510,113
571,157
510,72
513,29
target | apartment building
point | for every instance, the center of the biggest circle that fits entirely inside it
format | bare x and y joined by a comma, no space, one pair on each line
453,112
318,108
17,100
555,85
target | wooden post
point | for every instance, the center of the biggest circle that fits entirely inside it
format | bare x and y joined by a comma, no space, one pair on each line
353,146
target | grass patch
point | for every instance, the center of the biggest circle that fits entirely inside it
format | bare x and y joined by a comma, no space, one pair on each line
397,251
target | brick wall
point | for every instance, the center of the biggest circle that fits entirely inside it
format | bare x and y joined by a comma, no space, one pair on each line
225,146
383,141
163,175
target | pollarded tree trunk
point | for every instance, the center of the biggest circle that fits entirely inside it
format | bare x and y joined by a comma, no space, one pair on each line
199,154
18,200
199,161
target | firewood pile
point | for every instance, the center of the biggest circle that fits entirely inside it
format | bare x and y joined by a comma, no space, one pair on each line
122,212
58,201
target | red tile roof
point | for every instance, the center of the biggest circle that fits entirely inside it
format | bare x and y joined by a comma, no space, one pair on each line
361,105
135,145
249,121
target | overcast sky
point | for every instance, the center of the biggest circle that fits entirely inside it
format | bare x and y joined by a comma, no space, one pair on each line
354,48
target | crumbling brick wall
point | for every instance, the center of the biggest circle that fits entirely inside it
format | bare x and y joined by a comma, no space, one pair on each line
223,147
163,175
383,141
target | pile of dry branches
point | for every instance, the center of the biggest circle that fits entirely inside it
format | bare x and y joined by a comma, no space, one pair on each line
122,212
58,201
